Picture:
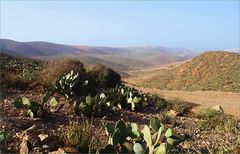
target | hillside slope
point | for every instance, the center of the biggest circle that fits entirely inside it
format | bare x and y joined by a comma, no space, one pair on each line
209,71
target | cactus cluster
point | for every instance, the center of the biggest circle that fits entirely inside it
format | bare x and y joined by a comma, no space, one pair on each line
69,85
116,96
118,138
125,137
126,97
94,106
101,103
160,142
135,99
32,109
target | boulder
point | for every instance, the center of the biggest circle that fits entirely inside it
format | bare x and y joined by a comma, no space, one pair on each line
218,108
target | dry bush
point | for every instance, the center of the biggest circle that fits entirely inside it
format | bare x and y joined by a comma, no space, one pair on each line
17,80
58,67
78,134
104,77
180,106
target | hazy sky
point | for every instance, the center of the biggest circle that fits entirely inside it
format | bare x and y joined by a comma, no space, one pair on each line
199,25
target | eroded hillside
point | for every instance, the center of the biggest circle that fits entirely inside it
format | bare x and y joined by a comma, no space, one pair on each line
212,70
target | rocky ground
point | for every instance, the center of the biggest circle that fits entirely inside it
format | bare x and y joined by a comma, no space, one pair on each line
193,139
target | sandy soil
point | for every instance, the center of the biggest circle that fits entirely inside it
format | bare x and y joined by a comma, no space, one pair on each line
229,101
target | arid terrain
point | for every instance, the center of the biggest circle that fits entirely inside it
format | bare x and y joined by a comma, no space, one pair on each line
228,100
63,105
120,77
184,75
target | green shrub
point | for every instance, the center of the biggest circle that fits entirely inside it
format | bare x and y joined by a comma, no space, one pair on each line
59,67
180,106
207,113
215,120
104,77
78,134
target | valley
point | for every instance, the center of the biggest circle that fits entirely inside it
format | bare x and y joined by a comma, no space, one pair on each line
77,102
120,77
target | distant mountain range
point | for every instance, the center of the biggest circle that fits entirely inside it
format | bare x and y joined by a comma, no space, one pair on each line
237,50
121,58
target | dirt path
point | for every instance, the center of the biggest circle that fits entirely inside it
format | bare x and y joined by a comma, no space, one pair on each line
228,100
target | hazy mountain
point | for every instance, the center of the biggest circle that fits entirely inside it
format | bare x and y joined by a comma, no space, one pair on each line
130,57
237,50
18,48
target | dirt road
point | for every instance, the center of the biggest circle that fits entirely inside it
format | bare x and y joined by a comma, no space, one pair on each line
228,100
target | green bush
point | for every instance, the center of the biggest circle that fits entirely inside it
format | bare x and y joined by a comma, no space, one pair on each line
215,120
104,77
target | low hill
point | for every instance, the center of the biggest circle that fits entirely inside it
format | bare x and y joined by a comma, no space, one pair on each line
208,71
18,49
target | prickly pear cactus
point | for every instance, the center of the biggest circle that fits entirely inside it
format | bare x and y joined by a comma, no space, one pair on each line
154,139
159,142
69,85
138,149
96,106
32,109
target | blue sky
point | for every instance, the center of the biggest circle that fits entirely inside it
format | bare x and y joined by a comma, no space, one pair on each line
197,25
